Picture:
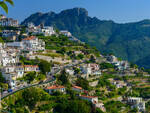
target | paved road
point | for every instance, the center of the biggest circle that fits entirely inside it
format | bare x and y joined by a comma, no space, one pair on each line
47,81
8,94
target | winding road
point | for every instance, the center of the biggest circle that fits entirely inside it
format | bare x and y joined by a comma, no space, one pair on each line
49,80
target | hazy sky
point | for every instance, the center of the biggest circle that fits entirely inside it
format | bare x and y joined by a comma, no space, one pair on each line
117,10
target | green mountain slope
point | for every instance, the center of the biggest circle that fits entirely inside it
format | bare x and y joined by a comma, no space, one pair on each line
129,41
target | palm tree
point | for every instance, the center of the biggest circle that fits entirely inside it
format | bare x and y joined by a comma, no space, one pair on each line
3,4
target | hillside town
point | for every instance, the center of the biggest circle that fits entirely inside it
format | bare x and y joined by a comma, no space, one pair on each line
25,52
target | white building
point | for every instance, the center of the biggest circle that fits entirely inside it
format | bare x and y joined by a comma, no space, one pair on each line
77,88
13,72
4,21
8,61
54,88
66,33
94,67
90,69
29,68
91,99
10,34
47,31
112,59
97,73
31,25
137,102
33,44
18,45
19,71
70,72
86,70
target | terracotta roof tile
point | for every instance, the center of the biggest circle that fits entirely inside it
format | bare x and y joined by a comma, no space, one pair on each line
30,38
77,87
55,87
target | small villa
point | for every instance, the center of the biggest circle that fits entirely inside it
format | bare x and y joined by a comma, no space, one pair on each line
77,88
54,88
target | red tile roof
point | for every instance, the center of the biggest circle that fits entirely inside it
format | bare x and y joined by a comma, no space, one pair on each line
55,87
30,38
77,87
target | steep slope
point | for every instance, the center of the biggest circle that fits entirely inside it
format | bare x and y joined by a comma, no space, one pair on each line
129,41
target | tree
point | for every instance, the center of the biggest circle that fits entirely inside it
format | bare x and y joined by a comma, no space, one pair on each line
114,106
98,111
73,106
106,65
80,56
4,86
44,66
2,79
77,70
3,4
63,78
30,76
83,83
92,59
41,77
62,50
32,96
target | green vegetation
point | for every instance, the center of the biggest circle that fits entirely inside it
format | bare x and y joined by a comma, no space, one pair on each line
63,78
83,83
3,83
44,66
114,106
92,59
24,101
106,65
30,77
35,99
148,106
3,4
130,41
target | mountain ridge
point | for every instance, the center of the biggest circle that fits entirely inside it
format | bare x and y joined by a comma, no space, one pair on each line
129,41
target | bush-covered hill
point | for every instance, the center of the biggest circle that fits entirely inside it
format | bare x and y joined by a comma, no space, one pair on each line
130,41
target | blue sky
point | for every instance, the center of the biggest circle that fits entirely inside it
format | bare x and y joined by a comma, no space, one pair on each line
120,11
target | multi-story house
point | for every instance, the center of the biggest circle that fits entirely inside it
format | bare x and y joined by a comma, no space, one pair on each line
112,58
94,67
86,71
47,31
9,75
94,101
33,44
4,21
29,68
136,102
17,45
19,71
41,29
90,69
66,33
8,61
10,34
